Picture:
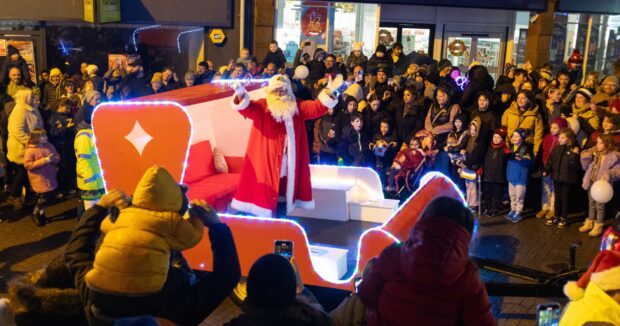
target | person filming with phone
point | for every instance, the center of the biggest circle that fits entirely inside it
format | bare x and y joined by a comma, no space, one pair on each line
137,268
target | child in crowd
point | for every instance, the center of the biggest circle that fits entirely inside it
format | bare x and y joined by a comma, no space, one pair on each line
494,175
408,159
244,57
601,162
89,178
563,168
62,135
354,146
328,139
40,159
473,157
383,146
518,172
455,146
548,144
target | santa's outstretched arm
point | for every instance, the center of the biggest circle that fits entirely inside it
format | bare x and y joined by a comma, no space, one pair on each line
241,101
327,99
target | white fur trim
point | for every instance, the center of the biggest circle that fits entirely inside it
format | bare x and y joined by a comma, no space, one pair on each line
573,291
250,208
608,279
327,100
308,205
245,102
291,156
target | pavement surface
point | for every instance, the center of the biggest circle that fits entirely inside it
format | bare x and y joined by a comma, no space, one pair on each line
25,247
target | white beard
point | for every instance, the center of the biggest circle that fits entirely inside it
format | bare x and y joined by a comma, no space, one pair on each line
282,108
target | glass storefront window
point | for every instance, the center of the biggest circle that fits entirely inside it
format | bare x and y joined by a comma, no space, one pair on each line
416,39
333,28
571,32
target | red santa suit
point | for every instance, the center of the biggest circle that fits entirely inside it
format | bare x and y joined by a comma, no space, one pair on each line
271,141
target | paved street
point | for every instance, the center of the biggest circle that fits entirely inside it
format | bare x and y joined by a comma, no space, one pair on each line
25,247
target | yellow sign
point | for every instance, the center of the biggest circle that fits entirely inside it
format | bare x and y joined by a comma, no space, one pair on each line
217,36
89,11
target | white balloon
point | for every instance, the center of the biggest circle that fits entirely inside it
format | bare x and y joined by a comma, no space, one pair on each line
602,191
301,72
573,123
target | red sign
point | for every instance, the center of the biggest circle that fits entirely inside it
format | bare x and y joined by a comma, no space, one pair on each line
314,21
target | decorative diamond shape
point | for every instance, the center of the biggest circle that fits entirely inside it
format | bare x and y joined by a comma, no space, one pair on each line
138,137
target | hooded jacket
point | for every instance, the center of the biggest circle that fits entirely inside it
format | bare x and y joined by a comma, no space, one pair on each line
530,119
134,257
427,280
595,306
23,119
353,61
609,169
385,62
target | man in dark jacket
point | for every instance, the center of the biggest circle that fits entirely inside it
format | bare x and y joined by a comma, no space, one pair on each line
408,283
187,296
203,74
274,55
135,81
401,61
316,66
14,59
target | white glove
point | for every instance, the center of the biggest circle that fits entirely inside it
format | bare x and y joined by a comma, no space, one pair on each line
238,87
334,85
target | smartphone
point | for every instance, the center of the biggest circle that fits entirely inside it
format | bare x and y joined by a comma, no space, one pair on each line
284,248
390,82
358,281
548,314
307,43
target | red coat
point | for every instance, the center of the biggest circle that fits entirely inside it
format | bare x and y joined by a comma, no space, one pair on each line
427,280
548,144
257,192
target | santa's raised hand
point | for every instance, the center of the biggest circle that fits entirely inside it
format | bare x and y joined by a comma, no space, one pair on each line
239,89
334,84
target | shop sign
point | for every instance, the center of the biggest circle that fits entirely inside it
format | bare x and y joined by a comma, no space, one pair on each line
217,36
105,11
89,11
109,11
457,48
314,21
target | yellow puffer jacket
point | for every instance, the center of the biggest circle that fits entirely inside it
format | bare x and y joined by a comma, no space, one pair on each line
596,306
513,119
134,256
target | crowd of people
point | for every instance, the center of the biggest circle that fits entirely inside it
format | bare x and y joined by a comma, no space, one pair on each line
398,115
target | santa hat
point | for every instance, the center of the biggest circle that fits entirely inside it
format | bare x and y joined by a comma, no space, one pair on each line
501,131
357,46
561,122
585,92
604,273
279,81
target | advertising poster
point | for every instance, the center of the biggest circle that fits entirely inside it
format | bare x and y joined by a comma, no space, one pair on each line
120,60
26,50
314,22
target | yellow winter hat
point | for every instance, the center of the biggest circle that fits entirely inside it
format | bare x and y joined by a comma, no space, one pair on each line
158,191
55,71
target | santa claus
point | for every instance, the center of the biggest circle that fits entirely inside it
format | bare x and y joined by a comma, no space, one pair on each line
278,146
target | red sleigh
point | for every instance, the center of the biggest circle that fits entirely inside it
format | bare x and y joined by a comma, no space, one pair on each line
132,136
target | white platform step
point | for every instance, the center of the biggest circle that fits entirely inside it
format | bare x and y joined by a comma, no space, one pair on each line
377,211
330,263
331,200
